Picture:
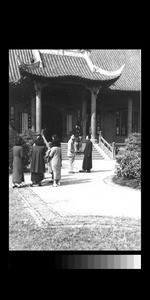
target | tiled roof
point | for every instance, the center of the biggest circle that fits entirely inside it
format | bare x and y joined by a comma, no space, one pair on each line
14,71
130,79
64,66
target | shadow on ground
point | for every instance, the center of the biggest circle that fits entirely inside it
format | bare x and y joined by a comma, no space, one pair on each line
98,171
68,181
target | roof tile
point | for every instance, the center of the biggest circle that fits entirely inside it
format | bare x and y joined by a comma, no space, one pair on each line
63,66
130,78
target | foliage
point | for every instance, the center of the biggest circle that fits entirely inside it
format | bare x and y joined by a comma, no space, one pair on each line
129,159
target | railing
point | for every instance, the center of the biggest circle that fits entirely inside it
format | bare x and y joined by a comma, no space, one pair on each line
106,147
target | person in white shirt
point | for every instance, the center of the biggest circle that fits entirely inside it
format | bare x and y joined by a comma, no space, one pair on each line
71,154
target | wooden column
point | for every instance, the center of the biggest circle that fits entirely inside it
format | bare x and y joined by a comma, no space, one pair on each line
129,115
83,114
38,107
93,116
94,93
33,113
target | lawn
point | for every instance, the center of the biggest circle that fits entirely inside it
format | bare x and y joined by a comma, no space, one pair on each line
76,233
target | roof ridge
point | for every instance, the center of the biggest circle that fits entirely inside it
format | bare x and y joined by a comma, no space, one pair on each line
62,52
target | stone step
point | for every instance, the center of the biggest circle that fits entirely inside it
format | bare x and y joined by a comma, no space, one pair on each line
95,154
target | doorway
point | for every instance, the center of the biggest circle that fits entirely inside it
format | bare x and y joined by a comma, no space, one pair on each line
52,118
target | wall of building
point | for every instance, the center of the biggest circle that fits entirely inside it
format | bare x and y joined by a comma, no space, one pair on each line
67,100
109,105
20,101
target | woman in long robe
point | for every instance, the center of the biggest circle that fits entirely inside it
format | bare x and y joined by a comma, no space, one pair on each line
56,160
18,155
37,161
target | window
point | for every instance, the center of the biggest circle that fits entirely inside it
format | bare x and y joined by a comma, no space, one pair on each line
118,123
69,124
12,117
134,121
24,122
121,122
29,121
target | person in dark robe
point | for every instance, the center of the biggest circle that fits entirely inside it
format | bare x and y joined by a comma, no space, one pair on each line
37,161
18,156
87,160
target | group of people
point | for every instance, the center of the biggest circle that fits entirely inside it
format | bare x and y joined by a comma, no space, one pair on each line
40,151
43,152
72,151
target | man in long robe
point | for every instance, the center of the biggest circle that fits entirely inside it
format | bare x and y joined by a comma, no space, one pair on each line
71,153
87,161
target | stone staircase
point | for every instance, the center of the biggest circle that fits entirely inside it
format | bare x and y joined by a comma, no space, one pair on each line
95,154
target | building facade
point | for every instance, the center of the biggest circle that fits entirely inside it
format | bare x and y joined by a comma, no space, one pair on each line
96,90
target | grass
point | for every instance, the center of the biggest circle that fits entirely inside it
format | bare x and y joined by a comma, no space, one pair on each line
79,233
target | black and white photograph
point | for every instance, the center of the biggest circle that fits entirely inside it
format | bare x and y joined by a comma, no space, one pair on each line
75,150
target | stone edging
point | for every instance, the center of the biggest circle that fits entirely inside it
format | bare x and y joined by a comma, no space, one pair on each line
108,180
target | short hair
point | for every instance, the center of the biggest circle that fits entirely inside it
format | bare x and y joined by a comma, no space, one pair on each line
39,142
55,141
18,141
89,136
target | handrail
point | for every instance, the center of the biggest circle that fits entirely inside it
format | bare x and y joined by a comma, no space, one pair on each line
106,147
106,143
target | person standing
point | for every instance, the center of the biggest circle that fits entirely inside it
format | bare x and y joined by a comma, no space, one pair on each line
18,156
37,161
71,153
56,161
87,160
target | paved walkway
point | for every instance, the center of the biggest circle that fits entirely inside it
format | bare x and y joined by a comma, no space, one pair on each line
87,194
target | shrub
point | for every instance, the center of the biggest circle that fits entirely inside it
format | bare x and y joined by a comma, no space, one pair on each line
129,158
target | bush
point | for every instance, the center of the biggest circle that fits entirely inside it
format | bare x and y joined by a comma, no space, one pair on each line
129,159
28,140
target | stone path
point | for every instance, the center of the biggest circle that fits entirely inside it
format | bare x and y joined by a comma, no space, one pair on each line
82,195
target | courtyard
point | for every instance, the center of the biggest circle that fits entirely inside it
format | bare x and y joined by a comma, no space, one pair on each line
86,212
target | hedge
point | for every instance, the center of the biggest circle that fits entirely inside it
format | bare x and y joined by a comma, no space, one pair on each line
129,159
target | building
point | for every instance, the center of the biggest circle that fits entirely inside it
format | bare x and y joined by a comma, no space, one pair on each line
98,90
